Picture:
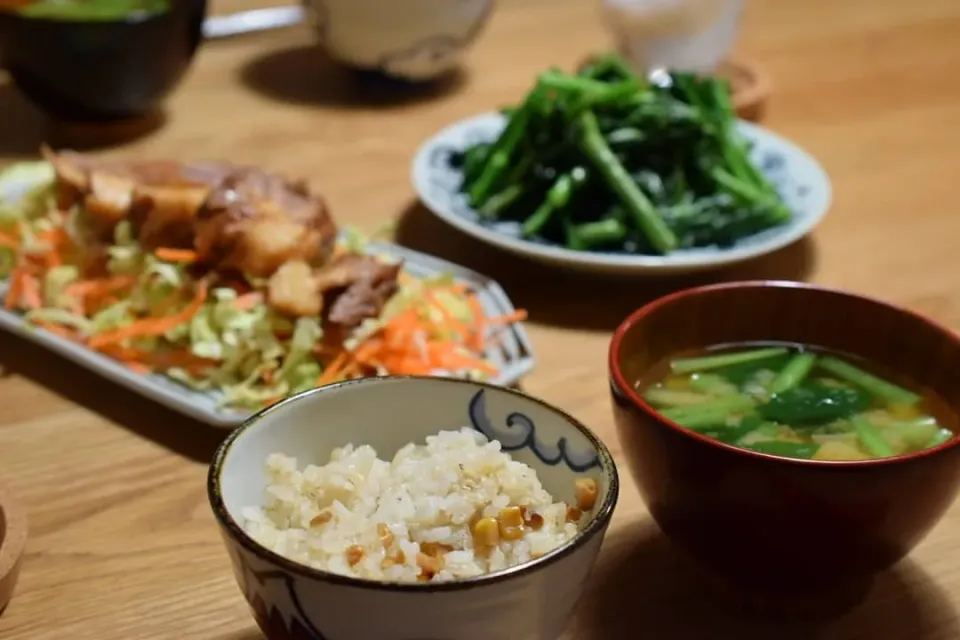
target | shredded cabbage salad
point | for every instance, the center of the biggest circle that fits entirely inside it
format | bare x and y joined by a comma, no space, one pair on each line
149,313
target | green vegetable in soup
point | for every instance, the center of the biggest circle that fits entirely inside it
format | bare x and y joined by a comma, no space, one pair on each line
915,434
709,414
795,403
92,10
660,397
713,384
705,363
814,404
794,373
868,382
871,439
733,434
755,372
942,436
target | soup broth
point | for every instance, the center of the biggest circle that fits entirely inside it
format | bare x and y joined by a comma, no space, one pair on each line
798,402
88,10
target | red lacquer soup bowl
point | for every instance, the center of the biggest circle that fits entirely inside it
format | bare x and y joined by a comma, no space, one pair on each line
777,523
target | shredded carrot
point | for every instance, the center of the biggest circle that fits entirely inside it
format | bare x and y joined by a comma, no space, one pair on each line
99,287
92,295
176,255
138,367
154,326
368,350
15,288
517,316
401,329
30,297
449,355
350,370
52,259
477,338
332,371
60,330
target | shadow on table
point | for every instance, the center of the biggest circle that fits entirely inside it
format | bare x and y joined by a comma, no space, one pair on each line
580,301
643,587
23,128
179,434
247,634
306,75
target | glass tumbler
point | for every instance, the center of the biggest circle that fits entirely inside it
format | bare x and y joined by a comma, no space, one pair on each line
679,35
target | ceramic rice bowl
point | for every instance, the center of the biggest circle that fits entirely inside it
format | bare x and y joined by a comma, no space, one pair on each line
530,601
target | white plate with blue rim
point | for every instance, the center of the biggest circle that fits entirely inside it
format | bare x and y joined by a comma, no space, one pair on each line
798,177
511,353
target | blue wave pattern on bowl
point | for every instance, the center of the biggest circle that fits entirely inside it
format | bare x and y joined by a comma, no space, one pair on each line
521,433
297,628
445,180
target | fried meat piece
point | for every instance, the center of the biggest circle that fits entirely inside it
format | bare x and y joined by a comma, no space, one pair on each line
237,218
254,222
349,290
293,290
369,285
160,198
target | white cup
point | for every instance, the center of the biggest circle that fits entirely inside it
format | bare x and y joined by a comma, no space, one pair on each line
681,35
410,39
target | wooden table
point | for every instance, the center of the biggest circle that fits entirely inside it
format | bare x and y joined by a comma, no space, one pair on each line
123,544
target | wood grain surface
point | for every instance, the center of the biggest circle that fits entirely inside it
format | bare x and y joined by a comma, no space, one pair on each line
122,541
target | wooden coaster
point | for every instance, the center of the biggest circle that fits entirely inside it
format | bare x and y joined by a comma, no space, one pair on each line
750,85
13,541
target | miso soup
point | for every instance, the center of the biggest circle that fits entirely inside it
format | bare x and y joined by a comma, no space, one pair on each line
87,10
799,402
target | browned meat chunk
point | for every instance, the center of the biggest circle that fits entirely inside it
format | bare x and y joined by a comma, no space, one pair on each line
369,285
72,175
293,290
168,196
109,198
254,222
237,218
350,289
160,198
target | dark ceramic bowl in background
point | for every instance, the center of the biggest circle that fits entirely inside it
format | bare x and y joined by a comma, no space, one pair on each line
101,70
781,525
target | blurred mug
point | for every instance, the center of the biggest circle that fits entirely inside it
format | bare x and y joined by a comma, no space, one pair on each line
681,35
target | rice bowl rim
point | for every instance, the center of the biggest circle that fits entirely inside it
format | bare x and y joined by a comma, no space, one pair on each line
596,525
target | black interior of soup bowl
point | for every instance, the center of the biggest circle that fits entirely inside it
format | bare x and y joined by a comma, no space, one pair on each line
97,70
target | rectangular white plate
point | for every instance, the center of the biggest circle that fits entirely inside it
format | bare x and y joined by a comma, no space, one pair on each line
512,355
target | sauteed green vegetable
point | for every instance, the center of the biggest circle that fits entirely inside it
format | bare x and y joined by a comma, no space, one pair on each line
607,160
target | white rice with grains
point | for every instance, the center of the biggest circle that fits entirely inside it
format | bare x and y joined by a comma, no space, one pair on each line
453,508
